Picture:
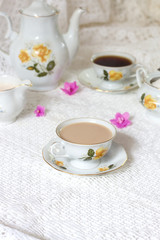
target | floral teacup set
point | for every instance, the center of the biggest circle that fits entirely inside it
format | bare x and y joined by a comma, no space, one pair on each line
84,146
116,72
41,54
38,53
112,72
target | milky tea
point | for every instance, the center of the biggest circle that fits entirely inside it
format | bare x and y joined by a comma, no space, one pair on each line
5,86
85,133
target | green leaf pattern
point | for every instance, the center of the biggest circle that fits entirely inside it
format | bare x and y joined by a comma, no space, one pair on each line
91,154
142,97
50,65
105,77
37,66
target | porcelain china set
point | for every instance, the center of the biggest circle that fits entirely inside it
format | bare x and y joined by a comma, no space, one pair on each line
68,157
41,54
117,80
38,53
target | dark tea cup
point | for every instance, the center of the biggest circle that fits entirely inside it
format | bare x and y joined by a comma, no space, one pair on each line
115,68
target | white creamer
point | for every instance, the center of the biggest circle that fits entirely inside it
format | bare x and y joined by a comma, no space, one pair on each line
12,97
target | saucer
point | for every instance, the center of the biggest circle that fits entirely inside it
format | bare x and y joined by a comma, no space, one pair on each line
115,158
88,78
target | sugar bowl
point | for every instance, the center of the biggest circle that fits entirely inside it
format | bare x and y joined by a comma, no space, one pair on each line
149,91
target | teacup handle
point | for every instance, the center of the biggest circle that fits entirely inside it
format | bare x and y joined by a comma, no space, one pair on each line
135,66
139,76
57,149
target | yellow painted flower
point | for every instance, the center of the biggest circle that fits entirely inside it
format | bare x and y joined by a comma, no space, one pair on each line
127,87
102,169
59,163
24,56
100,152
149,102
114,76
42,52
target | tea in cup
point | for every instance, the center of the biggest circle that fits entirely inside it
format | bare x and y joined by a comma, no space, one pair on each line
115,68
83,141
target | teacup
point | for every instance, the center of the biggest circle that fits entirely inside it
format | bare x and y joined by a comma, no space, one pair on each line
83,156
115,68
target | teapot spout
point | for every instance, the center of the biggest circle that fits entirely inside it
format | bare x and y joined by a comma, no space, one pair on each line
24,85
71,38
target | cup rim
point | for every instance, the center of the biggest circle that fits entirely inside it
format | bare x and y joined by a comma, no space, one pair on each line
113,53
78,144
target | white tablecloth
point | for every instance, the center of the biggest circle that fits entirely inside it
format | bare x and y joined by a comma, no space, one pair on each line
38,202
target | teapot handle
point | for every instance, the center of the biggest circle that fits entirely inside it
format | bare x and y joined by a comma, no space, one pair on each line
139,78
9,34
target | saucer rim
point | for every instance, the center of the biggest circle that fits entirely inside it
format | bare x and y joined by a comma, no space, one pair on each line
89,174
106,91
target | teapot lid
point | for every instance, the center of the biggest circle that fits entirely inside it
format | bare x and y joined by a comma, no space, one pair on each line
39,8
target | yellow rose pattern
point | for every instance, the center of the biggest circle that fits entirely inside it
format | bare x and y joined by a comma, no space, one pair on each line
112,75
95,155
24,56
39,59
103,169
41,52
100,153
59,164
148,101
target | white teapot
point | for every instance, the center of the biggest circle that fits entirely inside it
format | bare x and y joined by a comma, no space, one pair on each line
12,98
39,52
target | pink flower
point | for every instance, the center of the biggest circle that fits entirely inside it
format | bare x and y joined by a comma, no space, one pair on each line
121,120
70,88
40,111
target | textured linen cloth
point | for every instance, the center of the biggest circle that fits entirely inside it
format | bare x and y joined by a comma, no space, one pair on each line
38,202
